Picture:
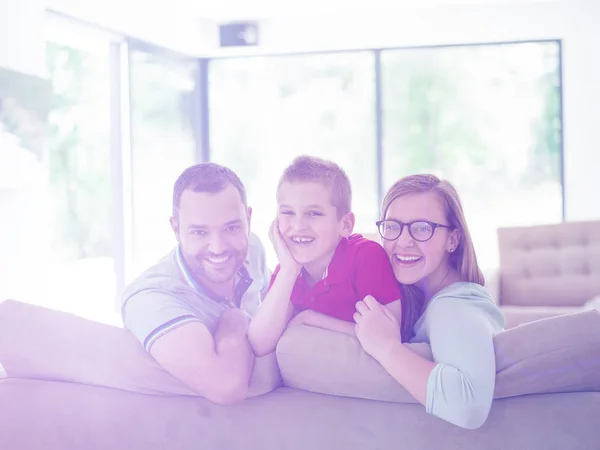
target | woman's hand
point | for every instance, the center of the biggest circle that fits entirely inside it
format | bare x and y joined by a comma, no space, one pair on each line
376,328
284,255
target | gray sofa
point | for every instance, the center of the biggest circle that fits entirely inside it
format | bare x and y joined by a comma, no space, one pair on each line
67,416
547,270
69,383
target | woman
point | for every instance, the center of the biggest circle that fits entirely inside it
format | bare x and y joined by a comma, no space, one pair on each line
425,235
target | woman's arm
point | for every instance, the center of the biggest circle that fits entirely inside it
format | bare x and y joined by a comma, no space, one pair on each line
378,331
461,331
459,386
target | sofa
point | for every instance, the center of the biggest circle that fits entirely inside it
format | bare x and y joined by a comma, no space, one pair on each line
69,383
547,270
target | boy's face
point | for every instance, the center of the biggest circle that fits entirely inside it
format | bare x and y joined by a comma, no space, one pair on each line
309,224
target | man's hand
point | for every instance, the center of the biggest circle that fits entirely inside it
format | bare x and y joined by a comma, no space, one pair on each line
376,327
218,369
284,255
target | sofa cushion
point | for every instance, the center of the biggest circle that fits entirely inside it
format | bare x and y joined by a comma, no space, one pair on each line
43,344
519,315
549,265
558,354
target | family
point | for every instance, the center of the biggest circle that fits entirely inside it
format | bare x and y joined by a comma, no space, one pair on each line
206,310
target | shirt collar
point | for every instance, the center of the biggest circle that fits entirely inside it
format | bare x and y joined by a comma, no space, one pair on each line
338,269
242,283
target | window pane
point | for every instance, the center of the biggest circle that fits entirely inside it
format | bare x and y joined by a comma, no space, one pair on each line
485,117
265,111
162,96
81,272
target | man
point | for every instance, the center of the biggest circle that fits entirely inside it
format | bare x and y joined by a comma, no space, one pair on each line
191,310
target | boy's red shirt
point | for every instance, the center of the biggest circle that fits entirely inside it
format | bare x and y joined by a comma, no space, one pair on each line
359,267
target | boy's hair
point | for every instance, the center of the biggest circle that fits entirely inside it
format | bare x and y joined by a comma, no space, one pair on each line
314,169
206,177
463,259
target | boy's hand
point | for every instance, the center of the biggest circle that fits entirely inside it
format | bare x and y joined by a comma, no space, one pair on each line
284,255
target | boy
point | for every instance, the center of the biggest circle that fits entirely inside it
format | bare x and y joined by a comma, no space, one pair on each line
323,268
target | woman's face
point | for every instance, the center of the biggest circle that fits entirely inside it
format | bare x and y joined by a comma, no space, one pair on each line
425,264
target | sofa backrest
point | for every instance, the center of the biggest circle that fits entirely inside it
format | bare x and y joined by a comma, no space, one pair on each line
549,265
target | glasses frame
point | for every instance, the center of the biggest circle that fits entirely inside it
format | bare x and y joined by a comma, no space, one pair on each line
434,226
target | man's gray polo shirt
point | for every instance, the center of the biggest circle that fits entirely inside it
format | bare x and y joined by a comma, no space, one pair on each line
165,296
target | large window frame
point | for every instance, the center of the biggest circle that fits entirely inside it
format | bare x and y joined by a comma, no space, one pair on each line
64,27
120,101
377,53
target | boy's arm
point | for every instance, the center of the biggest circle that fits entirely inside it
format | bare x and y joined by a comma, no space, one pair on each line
319,320
396,309
270,320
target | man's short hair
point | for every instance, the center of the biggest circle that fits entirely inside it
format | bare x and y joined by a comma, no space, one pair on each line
314,169
206,177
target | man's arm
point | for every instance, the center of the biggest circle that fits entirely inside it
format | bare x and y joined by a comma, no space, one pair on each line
218,368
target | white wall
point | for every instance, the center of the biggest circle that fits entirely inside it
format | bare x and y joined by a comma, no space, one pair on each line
21,44
163,23
576,23
21,243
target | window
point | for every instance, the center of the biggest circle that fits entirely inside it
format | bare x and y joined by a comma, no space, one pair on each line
81,267
162,138
488,119
264,111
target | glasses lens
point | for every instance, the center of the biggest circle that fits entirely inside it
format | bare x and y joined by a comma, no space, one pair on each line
389,229
421,231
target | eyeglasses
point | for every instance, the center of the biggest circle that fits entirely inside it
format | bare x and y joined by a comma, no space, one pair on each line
420,230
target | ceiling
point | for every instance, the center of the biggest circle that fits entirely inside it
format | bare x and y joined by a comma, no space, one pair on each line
224,10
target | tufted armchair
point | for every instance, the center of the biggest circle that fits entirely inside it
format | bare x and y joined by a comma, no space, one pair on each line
548,270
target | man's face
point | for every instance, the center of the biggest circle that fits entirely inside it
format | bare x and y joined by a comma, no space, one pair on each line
212,231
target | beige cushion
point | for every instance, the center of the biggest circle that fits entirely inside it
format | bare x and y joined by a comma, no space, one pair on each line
42,344
519,315
559,354
549,265
322,361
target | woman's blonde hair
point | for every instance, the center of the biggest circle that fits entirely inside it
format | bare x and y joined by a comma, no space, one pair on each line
463,259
